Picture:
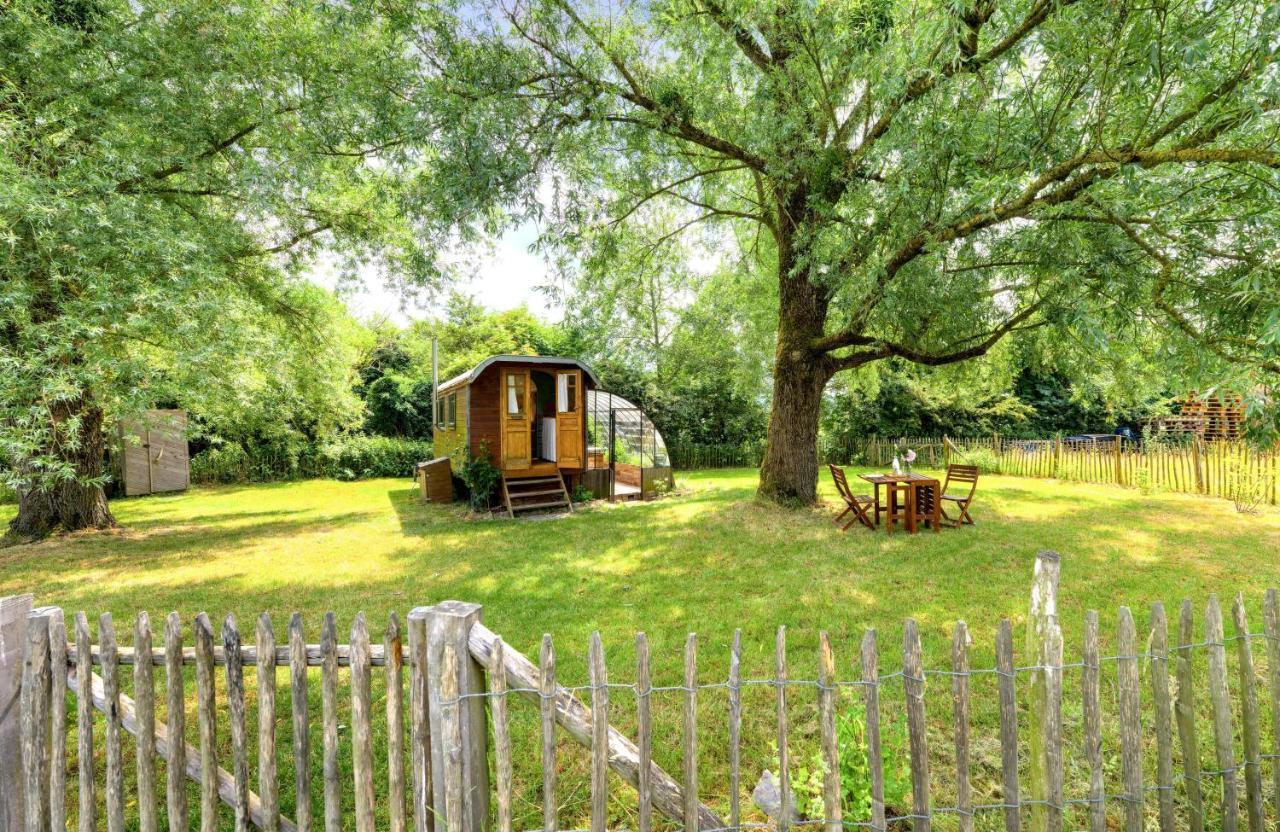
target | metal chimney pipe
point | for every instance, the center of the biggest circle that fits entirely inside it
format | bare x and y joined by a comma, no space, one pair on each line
435,386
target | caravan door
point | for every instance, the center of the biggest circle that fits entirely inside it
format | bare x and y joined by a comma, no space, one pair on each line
515,407
569,396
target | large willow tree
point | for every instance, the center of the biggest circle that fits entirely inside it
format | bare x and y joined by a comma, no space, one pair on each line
165,170
918,178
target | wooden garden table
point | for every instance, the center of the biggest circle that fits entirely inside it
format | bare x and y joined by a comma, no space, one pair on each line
923,499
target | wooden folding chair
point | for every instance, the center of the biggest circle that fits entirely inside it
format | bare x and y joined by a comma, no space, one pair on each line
961,475
855,503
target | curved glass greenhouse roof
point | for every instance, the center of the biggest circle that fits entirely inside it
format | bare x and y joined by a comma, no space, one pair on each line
637,439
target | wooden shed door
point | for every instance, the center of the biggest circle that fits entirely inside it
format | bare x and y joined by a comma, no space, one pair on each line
517,436
569,398
155,454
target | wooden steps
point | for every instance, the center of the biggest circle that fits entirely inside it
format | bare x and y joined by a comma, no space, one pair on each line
534,493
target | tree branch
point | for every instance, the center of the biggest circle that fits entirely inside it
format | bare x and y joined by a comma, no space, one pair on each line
668,122
290,242
741,35
669,188
130,185
881,348
925,82
1184,323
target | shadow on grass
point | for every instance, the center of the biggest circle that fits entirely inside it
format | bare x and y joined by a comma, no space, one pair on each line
158,543
711,560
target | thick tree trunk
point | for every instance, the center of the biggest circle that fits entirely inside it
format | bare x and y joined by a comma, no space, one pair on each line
71,504
789,472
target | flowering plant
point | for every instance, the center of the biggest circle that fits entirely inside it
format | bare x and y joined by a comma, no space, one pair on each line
908,457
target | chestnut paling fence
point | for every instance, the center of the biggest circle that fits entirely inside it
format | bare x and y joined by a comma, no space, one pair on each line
1229,469
1180,745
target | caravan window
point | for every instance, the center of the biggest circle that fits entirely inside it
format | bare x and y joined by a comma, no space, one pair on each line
515,395
447,410
567,392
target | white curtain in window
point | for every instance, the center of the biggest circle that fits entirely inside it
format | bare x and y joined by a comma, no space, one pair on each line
562,392
513,396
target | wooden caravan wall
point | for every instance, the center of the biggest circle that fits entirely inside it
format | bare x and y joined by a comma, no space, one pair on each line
153,453
448,440
484,413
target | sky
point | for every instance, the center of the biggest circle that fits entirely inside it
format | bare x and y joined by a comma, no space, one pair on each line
506,276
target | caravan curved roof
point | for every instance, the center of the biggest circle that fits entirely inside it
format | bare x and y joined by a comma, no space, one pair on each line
537,360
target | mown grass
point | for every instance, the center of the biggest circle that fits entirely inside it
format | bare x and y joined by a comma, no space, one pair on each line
709,560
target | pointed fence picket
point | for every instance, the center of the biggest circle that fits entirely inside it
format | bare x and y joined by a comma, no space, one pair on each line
1047,773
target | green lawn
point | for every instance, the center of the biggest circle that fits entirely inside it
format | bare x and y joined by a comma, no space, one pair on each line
710,559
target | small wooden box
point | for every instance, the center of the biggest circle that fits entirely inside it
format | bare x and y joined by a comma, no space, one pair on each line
435,480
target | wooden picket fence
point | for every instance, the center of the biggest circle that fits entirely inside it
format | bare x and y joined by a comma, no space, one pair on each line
454,750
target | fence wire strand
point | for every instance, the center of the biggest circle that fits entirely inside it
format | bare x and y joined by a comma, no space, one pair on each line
880,681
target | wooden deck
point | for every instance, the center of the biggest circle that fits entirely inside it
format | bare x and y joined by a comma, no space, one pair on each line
539,468
625,491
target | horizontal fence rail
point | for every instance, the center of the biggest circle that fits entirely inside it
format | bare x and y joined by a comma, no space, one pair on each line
1163,726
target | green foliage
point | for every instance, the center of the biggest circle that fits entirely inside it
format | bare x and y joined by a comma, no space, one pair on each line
809,769
984,458
1014,401
388,357
480,476
399,406
170,174
1247,483
581,494
701,405
363,457
468,333
234,462
343,458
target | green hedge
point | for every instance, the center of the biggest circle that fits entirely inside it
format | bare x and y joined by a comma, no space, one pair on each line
348,458
362,457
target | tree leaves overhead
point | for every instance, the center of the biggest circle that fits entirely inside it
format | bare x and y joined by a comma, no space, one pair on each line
168,170
936,167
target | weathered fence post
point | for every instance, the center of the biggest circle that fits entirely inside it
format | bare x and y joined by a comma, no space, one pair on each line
1044,640
449,623
37,683
13,638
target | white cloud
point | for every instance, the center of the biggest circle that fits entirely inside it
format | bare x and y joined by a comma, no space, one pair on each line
502,276
509,273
